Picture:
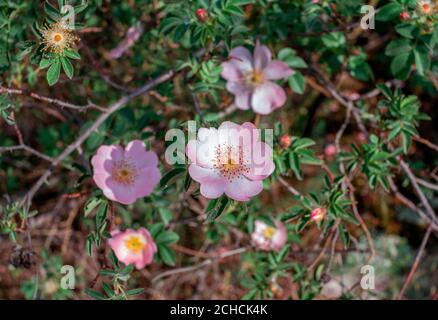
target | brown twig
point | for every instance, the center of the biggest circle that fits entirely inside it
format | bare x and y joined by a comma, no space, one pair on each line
416,263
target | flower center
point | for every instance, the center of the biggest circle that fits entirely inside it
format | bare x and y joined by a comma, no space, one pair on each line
254,78
124,172
58,37
135,244
269,232
229,160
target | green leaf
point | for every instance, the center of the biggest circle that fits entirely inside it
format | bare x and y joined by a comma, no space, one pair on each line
400,64
91,204
53,72
294,164
101,214
45,63
167,237
135,292
94,294
297,82
166,254
422,61
390,11
218,209
67,67
397,47
334,39
72,54
171,175
406,30
302,143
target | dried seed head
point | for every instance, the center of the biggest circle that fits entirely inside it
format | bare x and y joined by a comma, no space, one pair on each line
58,37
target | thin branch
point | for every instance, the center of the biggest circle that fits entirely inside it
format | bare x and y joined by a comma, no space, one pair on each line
57,102
408,203
28,149
427,184
426,143
416,263
291,189
199,265
418,190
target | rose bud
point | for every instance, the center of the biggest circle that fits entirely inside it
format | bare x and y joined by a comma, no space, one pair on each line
404,15
330,150
318,214
285,141
202,14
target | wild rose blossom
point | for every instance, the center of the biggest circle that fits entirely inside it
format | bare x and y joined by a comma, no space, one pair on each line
249,79
230,160
125,175
269,238
133,247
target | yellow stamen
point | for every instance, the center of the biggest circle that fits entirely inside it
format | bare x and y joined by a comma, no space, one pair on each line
269,232
135,244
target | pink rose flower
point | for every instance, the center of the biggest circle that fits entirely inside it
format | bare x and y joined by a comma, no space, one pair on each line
268,238
249,79
125,175
230,160
133,247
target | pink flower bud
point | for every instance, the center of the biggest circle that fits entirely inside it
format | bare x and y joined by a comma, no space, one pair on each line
404,15
330,150
202,14
318,214
285,141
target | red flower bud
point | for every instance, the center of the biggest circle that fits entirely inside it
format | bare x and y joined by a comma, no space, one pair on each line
285,141
202,14
330,150
404,15
318,214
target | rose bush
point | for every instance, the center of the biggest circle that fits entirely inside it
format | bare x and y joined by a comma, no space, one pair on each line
233,149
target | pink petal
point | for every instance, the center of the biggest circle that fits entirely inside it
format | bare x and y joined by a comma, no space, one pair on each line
242,94
228,125
243,100
262,56
261,162
204,175
136,152
213,190
146,181
268,97
259,226
100,179
243,189
105,156
277,70
120,193
240,62
280,237
252,130
200,154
